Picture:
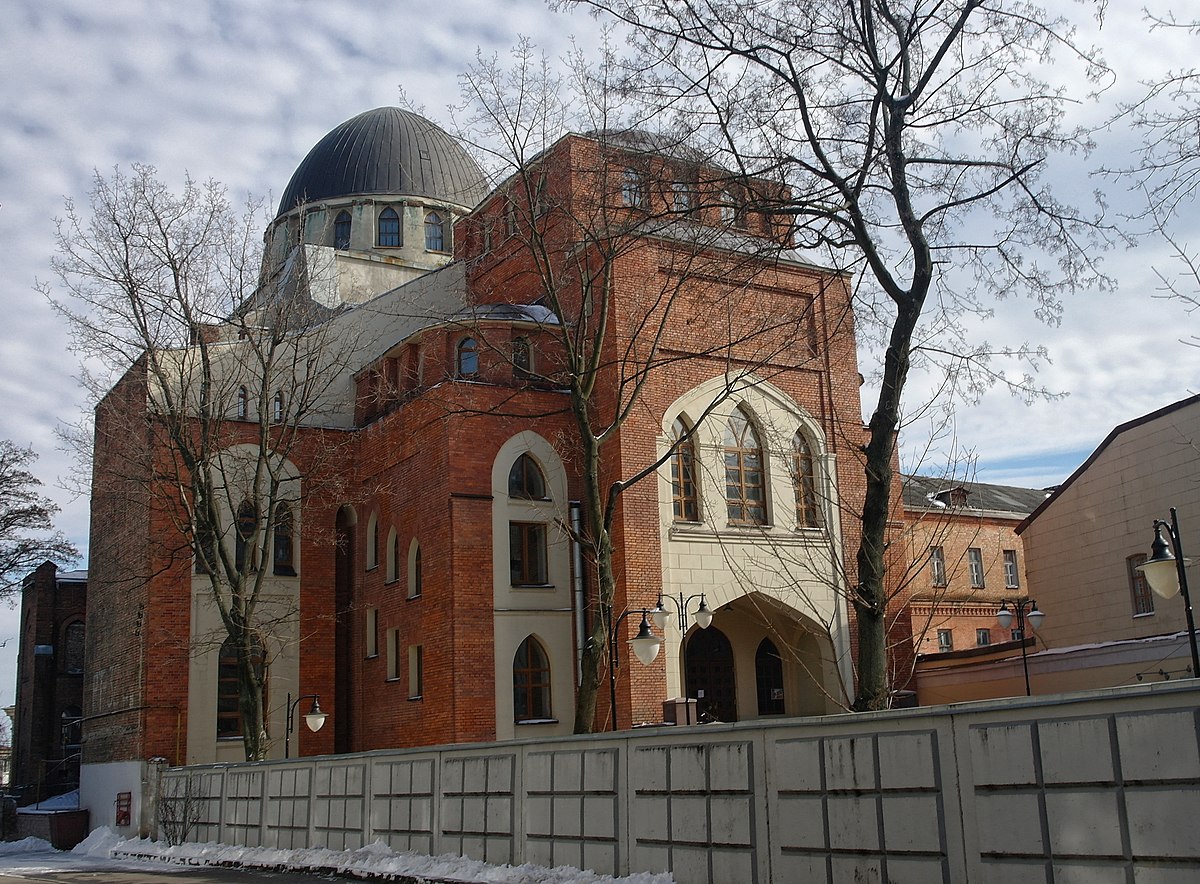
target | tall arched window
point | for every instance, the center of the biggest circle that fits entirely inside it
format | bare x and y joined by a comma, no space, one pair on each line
522,358
73,640
243,407
686,504
229,710
283,548
341,230
393,556
745,486
373,542
531,682
435,233
808,514
768,676
244,536
415,577
389,228
525,479
466,363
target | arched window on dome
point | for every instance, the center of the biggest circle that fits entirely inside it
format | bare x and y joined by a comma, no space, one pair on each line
341,230
435,233
466,363
389,228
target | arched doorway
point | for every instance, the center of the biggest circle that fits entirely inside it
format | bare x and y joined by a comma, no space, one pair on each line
709,669
343,632
768,675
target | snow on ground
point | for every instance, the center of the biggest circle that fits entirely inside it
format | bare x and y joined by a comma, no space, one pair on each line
105,849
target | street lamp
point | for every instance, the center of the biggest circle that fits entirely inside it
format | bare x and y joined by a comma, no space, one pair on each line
645,646
314,718
662,616
1166,574
1033,617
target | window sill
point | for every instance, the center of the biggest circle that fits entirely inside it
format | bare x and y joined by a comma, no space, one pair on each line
526,722
534,586
392,679
1143,614
374,656
413,597
416,698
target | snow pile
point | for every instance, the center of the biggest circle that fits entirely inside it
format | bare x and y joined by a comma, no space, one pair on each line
66,801
25,845
373,860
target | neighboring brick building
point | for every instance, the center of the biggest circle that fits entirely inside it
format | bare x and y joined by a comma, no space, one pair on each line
439,595
50,676
964,558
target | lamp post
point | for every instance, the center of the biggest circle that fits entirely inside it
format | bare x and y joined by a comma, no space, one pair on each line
314,718
645,645
662,616
1032,616
1166,574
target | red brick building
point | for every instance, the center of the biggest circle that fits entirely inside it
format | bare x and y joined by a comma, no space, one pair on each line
438,588
50,676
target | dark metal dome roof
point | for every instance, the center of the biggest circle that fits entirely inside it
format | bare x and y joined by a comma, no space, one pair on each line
386,151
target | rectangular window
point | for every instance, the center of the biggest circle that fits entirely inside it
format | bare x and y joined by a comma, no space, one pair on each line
975,564
527,553
393,654
1143,600
416,672
937,565
945,640
983,637
370,632
1012,579
1014,635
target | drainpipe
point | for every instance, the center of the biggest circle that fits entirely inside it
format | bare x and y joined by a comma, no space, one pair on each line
577,585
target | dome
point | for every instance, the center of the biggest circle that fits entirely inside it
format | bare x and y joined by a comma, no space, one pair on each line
386,151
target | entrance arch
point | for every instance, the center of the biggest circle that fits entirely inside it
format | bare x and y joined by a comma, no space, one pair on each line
709,669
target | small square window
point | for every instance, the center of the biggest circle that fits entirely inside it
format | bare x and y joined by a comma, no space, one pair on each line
945,639
983,637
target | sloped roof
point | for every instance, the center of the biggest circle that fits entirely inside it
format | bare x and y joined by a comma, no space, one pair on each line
921,493
1108,440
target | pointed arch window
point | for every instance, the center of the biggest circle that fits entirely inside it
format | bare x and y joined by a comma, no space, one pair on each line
745,485
768,674
229,707
808,514
467,358
283,551
435,233
373,542
393,557
243,544
389,228
525,479
415,577
341,230
531,682
243,403
522,358
685,501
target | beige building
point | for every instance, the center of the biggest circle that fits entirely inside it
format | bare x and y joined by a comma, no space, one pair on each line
1103,626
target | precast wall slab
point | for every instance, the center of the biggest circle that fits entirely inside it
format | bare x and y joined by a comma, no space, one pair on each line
1095,787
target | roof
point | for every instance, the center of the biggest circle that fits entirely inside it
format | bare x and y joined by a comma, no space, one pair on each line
387,151
922,493
1108,440
535,313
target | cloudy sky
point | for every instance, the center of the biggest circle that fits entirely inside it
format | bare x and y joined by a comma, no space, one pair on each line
239,90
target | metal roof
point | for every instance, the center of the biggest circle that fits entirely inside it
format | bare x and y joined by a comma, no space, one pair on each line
921,493
386,151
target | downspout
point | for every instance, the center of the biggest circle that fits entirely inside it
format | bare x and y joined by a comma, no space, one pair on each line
577,585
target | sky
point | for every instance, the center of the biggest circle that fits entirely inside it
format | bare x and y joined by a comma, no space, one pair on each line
240,90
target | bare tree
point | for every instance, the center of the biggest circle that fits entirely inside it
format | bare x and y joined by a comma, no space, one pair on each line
565,229
914,138
206,371
26,520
